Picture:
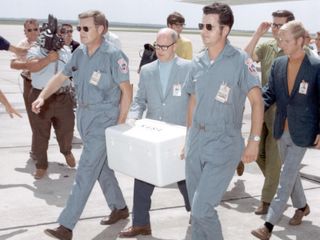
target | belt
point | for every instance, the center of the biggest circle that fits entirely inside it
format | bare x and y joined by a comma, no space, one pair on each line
205,126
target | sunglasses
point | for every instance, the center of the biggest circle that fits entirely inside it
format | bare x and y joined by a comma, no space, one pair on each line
63,31
275,25
84,28
32,29
208,26
162,47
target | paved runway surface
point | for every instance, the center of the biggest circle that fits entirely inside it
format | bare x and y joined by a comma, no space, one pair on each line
28,206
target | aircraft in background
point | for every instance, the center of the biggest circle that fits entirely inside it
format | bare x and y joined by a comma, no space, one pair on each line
233,2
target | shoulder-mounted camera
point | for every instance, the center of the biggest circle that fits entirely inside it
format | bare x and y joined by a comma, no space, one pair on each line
49,38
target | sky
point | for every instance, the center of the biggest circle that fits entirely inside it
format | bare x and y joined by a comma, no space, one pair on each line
247,17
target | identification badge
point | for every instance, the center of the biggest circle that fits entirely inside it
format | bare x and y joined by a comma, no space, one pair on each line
223,93
176,90
95,78
303,87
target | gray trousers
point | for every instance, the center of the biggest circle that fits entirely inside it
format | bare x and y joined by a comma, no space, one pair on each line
211,160
93,165
290,183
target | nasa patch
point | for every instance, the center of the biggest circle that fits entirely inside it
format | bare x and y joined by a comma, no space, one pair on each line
251,67
123,65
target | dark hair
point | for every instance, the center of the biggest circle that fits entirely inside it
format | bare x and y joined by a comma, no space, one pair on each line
98,17
222,10
107,23
284,13
66,25
175,17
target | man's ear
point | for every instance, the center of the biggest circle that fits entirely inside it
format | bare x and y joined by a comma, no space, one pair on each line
100,29
226,30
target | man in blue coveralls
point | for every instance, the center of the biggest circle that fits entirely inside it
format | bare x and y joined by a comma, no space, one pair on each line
221,78
101,77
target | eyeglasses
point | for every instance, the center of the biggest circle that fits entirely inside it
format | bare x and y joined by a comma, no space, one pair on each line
162,47
208,26
65,31
178,24
32,29
276,25
84,28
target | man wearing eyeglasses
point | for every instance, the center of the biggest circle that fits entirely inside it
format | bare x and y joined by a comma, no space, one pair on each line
184,46
265,53
66,32
222,77
160,92
101,76
31,31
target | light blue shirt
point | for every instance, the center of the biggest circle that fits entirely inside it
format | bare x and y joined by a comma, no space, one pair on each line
165,69
42,77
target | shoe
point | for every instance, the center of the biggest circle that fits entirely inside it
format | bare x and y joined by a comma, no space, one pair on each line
298,215
115,216
39,173
240,168
262,209
135,230
60,232
261,233
70,160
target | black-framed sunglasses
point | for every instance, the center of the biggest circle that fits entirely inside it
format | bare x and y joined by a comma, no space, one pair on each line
208,26
65,31
84,28
32,29
276,25
162,47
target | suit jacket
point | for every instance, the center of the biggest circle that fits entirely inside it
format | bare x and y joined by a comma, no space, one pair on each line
301,110
168,107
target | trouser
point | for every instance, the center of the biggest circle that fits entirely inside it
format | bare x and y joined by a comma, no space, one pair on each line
26,91
290,182
93,165
142,201
211,160
57,112
269,163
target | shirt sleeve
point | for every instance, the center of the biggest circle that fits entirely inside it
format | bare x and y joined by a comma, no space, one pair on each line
70,66
190,82
120,67
250,77
259,51
268,91
139,104
4,44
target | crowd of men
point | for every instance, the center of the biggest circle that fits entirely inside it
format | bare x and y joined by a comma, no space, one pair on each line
206,93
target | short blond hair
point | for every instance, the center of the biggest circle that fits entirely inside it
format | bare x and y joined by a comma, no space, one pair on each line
296,28
98,17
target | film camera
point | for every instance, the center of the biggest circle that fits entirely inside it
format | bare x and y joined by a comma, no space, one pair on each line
49,38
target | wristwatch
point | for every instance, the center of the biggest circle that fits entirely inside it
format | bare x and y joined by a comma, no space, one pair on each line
254,138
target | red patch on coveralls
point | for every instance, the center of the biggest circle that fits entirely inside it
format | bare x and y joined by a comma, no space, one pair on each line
123,65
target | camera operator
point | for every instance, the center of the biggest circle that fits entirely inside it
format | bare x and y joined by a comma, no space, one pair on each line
45,60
